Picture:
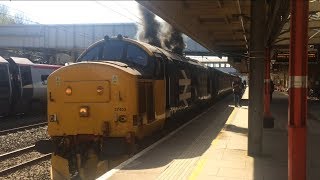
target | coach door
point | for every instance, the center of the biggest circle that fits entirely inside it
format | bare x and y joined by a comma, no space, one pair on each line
5,88
26,82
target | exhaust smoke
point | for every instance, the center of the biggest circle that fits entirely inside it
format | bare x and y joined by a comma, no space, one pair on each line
161,35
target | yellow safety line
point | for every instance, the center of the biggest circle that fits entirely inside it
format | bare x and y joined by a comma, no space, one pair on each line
199,167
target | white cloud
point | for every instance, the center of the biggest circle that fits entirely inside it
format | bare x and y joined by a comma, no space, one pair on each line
72,12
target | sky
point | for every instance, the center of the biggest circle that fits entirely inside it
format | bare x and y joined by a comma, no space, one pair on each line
76,12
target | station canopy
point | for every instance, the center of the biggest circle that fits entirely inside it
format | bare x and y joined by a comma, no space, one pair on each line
223,26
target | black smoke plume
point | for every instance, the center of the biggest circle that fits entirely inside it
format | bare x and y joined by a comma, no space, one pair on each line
160,35
149,32
173,40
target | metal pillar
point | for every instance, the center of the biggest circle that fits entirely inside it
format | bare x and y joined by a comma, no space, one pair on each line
268,121
267,83
256,76
298,79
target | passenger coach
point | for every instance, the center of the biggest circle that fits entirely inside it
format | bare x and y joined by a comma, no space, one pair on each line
23,85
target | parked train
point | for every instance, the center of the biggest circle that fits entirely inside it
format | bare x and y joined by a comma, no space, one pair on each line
23,85
120,91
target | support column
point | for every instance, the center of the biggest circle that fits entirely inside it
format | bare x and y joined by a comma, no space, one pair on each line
268,120
256,85
298,79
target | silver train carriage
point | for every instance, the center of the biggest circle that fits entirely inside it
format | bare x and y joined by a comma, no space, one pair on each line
23,85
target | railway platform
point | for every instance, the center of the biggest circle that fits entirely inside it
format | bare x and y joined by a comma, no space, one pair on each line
214,146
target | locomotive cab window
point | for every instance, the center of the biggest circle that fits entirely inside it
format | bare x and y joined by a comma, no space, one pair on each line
136,55
106,51
92,54
113,50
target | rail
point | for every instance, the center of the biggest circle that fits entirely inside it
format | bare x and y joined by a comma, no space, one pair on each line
7,131
16,152
24,164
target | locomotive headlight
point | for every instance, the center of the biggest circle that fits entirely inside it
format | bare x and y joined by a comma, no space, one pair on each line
68,91
84,111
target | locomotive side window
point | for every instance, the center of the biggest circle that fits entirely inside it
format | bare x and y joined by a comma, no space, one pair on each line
92,54
113,50
136,55
159,68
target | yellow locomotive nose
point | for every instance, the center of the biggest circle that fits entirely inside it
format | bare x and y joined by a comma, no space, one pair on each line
82,104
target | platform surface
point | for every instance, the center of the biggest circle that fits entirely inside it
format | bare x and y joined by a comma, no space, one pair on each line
245,95
214,146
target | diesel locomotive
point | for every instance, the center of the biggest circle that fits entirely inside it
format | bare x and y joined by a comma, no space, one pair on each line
118,92
23,85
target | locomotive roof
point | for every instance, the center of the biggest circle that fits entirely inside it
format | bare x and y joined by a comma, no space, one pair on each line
223,72
19,60
151,50
2,60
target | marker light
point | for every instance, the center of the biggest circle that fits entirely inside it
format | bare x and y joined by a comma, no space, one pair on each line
84,111
100,90
68,91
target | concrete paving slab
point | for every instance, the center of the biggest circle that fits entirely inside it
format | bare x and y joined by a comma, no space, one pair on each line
215,147
175,157
245,95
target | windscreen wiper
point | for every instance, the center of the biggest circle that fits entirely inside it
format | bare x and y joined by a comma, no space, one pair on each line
111,62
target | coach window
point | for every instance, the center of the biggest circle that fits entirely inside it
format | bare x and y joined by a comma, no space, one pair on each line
44,79
26,75
136,55
3,74
113,50
92,54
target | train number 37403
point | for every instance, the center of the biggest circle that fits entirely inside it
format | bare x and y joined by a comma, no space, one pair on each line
119,109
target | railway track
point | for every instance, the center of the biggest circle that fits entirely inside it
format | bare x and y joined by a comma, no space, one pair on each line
21,165
7,131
